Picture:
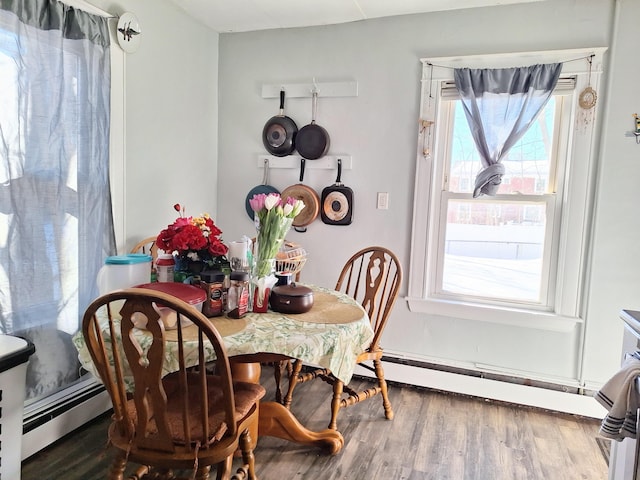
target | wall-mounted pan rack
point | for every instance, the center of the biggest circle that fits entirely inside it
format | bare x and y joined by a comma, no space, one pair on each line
302,90
328,162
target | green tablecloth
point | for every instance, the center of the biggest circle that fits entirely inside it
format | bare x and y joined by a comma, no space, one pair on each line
331,345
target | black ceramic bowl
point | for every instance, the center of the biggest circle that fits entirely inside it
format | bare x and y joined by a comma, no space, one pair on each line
291,298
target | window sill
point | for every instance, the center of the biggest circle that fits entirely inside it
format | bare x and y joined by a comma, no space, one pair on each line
489,313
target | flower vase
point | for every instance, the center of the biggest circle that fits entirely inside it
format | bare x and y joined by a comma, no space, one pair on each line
263,281
196,267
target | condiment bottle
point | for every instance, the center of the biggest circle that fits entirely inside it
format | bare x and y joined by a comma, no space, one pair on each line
212,282
165,266
238,295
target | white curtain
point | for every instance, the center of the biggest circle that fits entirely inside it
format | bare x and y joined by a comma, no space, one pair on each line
56,224
500,106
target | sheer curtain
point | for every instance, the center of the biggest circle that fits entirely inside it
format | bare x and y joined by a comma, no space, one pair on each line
56,224
500,105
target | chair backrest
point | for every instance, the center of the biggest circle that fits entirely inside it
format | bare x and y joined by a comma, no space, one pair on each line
148,246
372,276
170,411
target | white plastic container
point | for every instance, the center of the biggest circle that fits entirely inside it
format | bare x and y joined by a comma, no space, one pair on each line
14,357
124,271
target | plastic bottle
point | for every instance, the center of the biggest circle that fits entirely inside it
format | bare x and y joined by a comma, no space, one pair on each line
165,266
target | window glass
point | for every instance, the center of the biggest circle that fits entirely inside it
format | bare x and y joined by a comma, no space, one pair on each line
527,164
494,248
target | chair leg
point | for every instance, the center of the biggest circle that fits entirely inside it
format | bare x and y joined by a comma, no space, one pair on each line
247,455
336,401
224,468
388,411
293,380
277,375
203,473
119,463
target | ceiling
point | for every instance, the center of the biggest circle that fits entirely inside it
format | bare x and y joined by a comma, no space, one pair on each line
248,15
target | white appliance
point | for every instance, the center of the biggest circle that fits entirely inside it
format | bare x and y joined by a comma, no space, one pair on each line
623,461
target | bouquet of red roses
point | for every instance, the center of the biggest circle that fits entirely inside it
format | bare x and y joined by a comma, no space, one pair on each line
193,238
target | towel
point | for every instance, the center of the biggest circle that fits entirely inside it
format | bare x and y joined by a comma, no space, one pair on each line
621,398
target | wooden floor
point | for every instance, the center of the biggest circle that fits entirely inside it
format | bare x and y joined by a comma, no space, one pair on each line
434,436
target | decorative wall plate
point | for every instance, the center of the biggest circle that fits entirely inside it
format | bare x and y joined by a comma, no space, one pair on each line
128,32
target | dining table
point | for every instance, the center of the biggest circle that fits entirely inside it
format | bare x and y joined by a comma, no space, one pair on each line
330,335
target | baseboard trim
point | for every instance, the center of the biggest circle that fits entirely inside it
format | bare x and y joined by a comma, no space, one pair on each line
527,395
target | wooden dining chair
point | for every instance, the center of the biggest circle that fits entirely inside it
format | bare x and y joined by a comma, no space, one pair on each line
371,276
191,419
148,246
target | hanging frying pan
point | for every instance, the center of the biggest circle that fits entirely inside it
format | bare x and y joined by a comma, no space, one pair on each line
279,133
312,141
336,207
263,188
310,198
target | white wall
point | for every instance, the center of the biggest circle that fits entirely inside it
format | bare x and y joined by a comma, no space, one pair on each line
171,109
615,265
379,129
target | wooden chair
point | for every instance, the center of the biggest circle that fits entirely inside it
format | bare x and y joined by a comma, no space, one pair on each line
372,276
189,419
148,246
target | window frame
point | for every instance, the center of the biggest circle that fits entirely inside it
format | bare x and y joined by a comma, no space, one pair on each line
573,224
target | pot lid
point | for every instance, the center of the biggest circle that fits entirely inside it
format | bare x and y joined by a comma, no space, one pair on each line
292,290
187,293
311,203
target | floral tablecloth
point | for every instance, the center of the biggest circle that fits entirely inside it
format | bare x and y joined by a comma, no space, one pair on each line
331,345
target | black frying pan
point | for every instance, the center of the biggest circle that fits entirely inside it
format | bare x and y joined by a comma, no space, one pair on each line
312,140
279,133
263,188
336,206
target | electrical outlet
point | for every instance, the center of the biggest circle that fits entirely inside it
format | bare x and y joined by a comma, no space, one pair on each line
383,200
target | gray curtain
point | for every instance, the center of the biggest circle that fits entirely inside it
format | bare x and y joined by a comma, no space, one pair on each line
500,105
56,224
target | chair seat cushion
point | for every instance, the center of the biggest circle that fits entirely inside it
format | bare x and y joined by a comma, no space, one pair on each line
246,396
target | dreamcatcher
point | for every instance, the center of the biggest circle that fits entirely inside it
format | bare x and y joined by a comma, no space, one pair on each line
587,102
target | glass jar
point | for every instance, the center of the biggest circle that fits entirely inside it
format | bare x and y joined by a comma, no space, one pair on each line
212,282
238,295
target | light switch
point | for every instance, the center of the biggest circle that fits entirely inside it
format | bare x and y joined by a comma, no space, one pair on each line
383,200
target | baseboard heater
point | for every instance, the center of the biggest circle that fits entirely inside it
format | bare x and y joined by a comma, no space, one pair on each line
487,375
488,385
53,417
58,408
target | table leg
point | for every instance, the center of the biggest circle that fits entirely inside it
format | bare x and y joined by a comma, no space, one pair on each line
277,421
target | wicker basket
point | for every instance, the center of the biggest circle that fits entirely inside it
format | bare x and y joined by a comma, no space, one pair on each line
291,259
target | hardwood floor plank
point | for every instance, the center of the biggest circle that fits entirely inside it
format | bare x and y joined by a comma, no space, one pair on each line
434,436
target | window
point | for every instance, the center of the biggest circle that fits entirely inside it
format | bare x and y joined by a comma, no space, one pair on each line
56,222
522,250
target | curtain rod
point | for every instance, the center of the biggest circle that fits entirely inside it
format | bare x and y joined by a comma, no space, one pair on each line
589,57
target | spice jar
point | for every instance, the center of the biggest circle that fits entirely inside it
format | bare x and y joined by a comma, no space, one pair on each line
238,295
212,282
165,266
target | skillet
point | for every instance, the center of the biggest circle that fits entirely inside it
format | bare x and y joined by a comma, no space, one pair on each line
264,187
